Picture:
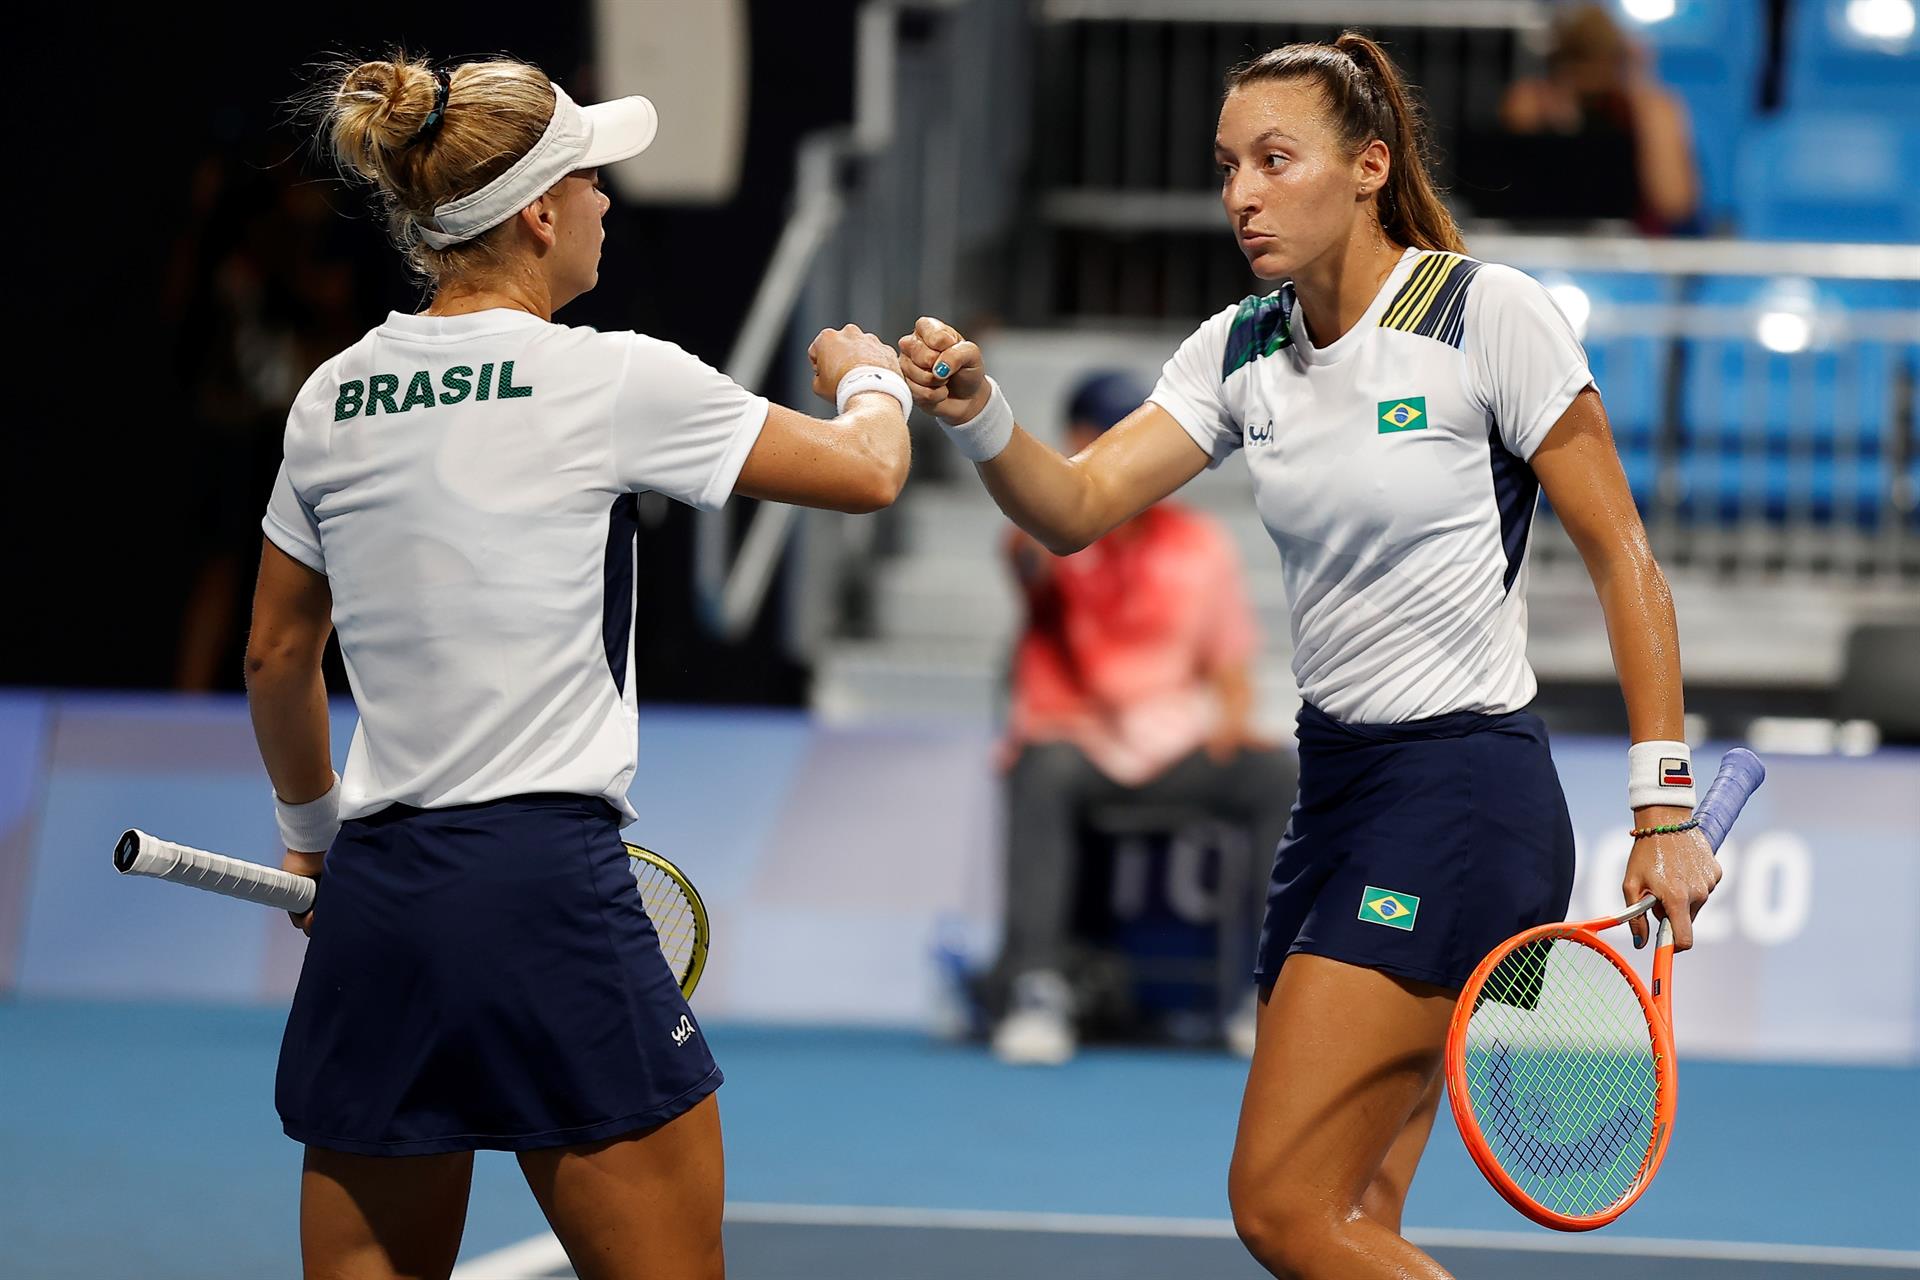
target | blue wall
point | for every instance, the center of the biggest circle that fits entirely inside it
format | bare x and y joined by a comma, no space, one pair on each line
831,858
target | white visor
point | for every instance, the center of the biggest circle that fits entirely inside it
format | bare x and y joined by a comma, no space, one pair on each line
576,138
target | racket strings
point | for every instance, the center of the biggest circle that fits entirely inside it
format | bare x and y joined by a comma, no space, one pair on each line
1561,1075
672,914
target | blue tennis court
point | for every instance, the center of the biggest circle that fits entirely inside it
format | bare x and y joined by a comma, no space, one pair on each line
879,1153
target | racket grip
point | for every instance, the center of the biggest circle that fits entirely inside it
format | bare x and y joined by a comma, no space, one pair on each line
141,854
1741,774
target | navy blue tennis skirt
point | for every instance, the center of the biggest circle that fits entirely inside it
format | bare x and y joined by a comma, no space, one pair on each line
484,976
1416,848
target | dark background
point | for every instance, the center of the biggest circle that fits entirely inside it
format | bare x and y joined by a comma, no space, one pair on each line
173,217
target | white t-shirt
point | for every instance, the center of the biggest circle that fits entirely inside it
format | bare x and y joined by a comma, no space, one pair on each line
1391,471
467,485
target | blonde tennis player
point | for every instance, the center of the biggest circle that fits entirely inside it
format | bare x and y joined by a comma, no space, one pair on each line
458,503
1400,406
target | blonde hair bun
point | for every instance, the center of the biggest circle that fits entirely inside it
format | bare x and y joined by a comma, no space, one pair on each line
378,109
370,115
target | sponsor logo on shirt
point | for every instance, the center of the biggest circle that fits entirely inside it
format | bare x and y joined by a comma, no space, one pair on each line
683,1031
1408,413
1259,433
1389,907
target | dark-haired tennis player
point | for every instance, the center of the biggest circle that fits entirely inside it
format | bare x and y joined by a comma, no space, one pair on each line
458,501
1400,406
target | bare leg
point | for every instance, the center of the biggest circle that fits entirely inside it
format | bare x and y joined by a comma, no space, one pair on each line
382,1217
1344,1062
1386,1197
639,1207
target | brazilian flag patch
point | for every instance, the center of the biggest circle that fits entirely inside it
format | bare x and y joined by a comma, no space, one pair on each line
1390,908
1407,414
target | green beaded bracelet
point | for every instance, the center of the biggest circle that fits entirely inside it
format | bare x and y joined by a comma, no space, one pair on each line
1669,829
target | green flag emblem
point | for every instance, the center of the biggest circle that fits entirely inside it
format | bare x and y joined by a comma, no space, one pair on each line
1408,414
1390,908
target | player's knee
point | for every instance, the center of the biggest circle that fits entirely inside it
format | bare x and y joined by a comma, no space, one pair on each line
1285,1226
1284,1243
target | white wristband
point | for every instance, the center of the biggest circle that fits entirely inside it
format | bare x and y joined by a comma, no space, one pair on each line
871,377
1659,773
310,827
983,436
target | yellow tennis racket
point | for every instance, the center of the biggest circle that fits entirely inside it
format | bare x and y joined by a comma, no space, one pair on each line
671,901
678,915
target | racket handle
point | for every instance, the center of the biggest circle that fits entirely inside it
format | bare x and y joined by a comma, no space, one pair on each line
1741,774
140,854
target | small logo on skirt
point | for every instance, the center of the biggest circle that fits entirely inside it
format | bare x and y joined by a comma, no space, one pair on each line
1390,908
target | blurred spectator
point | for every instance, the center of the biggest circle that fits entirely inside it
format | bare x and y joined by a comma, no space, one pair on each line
260,289
1131,685
1597,136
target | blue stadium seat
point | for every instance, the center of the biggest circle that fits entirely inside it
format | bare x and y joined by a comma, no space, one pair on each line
1827,395
1718,124
1629,367
1704,42
1808,432
1830,62
1728,485
1830,176
1709,53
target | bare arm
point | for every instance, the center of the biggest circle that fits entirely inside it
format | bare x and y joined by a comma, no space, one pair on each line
1068,503
1580,471
1233,686
1663,146
286,692
1064,502
856,462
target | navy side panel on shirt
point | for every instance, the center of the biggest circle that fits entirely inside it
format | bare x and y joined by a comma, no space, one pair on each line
623,525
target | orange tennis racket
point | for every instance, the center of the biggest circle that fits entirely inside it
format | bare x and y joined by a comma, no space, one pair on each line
1560,1064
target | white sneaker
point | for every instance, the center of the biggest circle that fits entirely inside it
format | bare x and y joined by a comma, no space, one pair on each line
1038,1031
1241,1026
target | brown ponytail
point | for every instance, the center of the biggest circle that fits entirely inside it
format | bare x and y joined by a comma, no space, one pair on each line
1369,99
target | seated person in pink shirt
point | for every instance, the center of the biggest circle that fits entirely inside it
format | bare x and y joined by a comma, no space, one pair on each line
1131,682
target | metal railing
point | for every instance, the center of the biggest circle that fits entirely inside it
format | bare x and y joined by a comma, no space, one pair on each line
912,210
1762,394
1751,448
1130,89
1766,427
1462,14
885,216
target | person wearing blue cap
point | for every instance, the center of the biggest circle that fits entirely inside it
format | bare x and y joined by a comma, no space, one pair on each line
1131,685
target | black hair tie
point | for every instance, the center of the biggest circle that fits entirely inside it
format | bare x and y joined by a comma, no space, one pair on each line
437,116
